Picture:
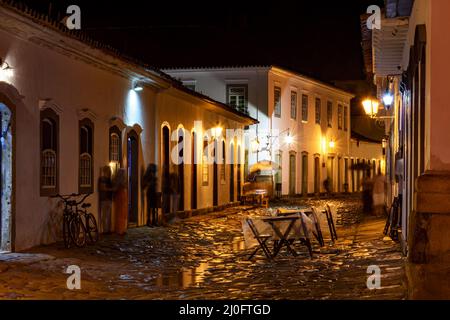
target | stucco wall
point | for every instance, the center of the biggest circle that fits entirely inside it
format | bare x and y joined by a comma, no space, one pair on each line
45,77
309,138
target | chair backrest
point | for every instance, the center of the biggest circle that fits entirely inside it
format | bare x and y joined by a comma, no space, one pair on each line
315,214
252,227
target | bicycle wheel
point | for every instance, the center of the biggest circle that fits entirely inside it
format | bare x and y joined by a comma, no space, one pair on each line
91,228
77,231
66,233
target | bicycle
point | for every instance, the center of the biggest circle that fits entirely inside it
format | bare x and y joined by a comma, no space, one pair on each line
68,214
392,220
83,226
90,224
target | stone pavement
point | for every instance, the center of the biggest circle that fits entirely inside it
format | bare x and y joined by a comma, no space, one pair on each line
204,258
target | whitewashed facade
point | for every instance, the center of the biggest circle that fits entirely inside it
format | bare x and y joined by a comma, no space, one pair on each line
309,145
65,103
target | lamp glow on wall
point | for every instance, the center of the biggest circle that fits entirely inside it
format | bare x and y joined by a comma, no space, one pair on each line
289,138
332,144
216,132
371,107
255,145
6,72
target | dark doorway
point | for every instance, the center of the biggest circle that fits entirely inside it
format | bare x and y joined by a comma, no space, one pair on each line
194,172
339,175
305,174
231,172
330,174
316,175
6,180
292,174
166,169
133,177
352,164
181,169
215,174
239,174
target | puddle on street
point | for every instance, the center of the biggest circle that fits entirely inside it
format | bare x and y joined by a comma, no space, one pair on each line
184,278
238,244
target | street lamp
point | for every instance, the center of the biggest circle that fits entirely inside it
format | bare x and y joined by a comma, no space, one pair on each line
255,145
6,71
371,107
137,87
289,139
388,99
332,144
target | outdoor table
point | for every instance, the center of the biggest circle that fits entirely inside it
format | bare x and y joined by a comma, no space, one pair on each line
310,213
254,197
284,239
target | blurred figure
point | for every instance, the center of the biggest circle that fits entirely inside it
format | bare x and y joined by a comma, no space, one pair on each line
105,192
379,195
150,182
174,196
121,201
367,185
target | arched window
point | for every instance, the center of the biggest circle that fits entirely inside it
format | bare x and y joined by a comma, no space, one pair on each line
49,152
115,145
86,133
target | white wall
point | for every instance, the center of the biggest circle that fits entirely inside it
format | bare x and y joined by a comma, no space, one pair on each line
309,137
70,86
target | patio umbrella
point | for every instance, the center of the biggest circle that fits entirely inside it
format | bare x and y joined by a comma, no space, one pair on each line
265,165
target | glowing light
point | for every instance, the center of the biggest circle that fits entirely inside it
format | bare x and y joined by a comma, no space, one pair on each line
6,72
324,144
388,99
216,132
332,144
255,145
114,167
289,139
137,87
133,109
370,107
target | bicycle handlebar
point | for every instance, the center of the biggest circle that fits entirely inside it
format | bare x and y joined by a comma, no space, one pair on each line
82,200
68,202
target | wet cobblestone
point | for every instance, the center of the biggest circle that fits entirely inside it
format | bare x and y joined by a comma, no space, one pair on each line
204,258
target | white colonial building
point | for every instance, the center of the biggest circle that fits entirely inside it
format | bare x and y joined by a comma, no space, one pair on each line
304,124
70,106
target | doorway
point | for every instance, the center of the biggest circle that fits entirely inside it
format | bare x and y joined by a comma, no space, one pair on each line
305,174
292,174
166,169
194,172
239,174
339,174
133,176
330,173
231,172
215,175
6,178
316,175
181,169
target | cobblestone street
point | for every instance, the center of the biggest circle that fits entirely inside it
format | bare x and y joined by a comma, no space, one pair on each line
204,258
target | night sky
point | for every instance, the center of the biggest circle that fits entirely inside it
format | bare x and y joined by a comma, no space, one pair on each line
316,38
